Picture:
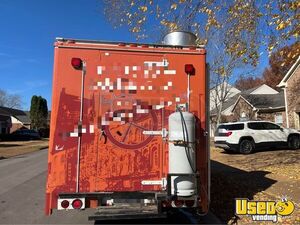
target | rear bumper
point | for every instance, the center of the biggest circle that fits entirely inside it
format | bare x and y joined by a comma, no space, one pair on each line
116,195
131,205
128,212
226,145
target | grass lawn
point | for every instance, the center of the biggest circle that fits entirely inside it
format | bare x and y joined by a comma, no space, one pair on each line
13,148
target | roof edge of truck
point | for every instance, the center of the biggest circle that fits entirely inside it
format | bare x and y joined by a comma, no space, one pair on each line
72,40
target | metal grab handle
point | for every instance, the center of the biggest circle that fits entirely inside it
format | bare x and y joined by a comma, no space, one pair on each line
105,136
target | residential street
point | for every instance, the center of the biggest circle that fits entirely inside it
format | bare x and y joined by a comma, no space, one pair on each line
22,192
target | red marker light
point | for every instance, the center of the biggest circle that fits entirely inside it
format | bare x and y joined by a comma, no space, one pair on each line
178,203
65,204
77,204
76,63
189,69
189,203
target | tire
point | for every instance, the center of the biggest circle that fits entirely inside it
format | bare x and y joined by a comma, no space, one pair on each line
294,142
246,146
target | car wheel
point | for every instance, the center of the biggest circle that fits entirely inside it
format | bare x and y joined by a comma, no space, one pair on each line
294,142
246,146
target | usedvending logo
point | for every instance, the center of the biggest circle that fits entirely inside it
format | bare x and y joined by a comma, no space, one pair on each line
264,210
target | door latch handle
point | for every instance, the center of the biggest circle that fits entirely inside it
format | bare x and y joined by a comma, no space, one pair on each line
103,134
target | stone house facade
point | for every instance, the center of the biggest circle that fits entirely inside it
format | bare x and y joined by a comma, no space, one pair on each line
291,86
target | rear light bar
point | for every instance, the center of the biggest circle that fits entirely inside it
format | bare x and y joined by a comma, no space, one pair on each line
180,203
70,203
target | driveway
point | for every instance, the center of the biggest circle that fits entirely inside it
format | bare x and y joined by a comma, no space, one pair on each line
264,175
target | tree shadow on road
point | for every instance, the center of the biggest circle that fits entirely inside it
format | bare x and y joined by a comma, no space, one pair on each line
228,183
8,145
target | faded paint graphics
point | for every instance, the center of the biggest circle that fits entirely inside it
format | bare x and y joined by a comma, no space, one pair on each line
126,91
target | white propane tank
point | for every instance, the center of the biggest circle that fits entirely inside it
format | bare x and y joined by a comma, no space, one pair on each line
178,160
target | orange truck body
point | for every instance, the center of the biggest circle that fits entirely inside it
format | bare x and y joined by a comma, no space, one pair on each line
128,88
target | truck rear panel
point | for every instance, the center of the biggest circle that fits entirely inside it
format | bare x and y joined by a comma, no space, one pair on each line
128,92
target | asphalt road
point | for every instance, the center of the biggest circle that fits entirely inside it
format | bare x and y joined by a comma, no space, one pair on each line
22,194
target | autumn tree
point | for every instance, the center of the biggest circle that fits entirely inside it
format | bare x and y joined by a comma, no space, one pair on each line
269,23
246,82
10,100
232,31
280,62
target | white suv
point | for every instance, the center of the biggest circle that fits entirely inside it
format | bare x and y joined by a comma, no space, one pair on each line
245,137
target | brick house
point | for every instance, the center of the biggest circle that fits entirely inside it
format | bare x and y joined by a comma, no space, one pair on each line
12,120
258,103
268,107
291,87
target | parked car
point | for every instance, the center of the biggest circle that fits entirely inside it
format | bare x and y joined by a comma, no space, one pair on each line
245,137
21,135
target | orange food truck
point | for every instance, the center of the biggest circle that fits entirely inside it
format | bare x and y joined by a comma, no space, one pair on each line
129,123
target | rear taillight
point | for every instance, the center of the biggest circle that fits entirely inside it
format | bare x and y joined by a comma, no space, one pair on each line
189,203
166,204
65,204
178,203
77,204
228,133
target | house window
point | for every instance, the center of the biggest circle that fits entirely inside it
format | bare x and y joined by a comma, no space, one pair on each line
278,119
